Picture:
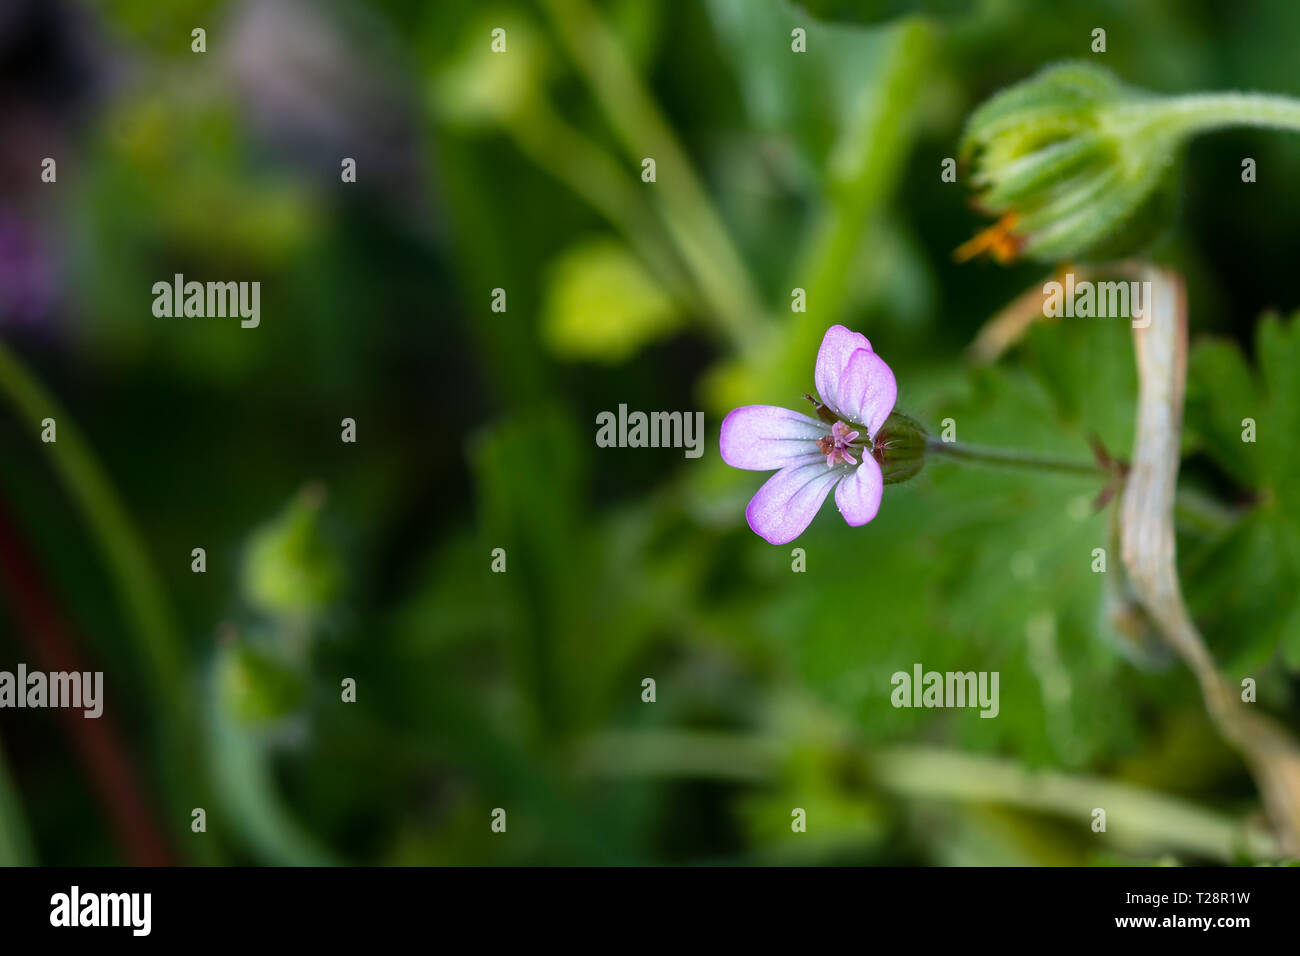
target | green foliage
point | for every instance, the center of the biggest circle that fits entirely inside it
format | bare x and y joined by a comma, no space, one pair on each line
290,567
820,98
601,304
879,78
1237,575
256,687
522,689
982,568
482,87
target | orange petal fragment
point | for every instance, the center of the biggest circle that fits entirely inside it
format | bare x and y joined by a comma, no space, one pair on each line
997,240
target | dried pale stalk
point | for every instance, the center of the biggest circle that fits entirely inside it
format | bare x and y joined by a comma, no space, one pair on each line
1147,535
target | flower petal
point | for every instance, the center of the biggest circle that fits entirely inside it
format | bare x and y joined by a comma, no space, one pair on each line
838,345
858,495
765,437
785,505
867,390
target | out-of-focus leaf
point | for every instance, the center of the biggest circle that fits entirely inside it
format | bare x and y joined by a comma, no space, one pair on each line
818,97
1235,579
529,472
1222,392
482,86
15,843
255,687
874,11
178,190
290,567
601,304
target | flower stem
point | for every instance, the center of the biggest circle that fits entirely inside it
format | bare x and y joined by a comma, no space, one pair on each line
1013,458
1200,112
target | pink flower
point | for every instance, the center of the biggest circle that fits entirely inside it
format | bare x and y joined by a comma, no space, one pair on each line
813,456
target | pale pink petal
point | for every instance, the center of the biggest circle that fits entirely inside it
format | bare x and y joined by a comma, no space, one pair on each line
838,345
765,437
867,390
781,510
858,495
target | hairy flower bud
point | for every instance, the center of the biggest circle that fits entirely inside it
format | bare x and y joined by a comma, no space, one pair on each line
1077,164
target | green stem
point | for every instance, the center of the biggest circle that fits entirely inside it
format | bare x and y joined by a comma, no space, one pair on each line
15,843
119,544
1143,819
1192,113
1013,458
694,224
591,173
1138,818
872,151
150,624
245,778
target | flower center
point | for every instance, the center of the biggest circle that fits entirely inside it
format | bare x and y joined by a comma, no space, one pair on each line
837,445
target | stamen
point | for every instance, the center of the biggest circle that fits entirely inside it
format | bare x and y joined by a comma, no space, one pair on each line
838,444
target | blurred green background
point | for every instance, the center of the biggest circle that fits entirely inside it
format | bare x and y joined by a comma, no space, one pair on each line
475,430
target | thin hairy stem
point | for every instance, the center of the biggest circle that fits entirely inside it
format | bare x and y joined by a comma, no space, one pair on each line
1200,112
1013,458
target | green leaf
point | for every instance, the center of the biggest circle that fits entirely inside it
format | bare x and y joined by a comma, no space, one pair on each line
1233,581
290,567
255,687
481,86
818,98
601,304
